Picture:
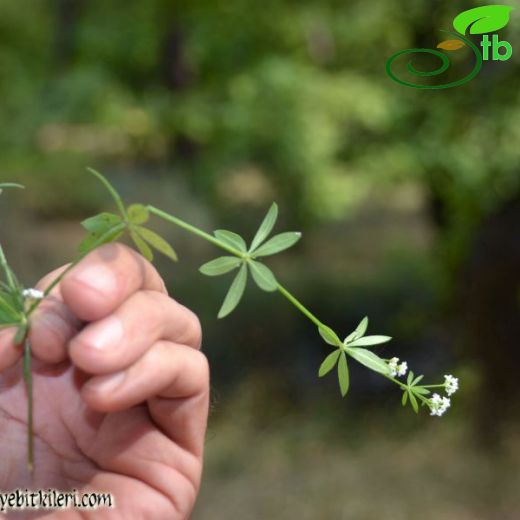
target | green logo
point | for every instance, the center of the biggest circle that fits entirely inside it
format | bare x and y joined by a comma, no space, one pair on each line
480,20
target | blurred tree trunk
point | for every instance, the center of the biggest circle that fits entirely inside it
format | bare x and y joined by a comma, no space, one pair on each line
491,310
177,76
68,13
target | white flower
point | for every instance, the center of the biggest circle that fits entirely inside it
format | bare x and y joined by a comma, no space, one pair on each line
451,383
397,369
438,405
402,368
33,294
392,365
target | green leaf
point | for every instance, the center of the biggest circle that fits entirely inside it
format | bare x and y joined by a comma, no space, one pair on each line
101,223
8,309
417,380
278,243
138,214
10,185
92,239
481,20
265,227
221,265
329,335
413,401
343,376
409,378
329,363
362,327
235,293
157,242
404,399
110,189
369,340
231,239
420,390
143,247
263,276
369,359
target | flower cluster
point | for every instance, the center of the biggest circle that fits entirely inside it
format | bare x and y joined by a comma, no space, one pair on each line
397,369
439,405
451,384
33,294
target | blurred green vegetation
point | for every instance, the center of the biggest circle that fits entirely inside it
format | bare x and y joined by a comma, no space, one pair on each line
409,202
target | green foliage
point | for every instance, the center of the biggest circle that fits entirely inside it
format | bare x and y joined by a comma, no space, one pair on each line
245,259
108,227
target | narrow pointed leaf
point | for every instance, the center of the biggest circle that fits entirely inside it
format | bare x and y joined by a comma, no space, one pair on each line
143,247
10,185
278,243
92,238
265,227
417,380
369,359
329,363
235,293
343,376
369,340
329,336
420,390
101,223
138,214
404,399
409,379
413,401
157,242
263,276
221,265
231,239
362,327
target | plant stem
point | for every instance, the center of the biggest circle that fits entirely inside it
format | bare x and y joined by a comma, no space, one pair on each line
27,374
194,230
299,306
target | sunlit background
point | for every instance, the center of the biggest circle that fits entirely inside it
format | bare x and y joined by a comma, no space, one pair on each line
409,203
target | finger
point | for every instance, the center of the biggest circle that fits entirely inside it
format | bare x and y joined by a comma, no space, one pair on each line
105,278
169,375
116,342
9,352
52,323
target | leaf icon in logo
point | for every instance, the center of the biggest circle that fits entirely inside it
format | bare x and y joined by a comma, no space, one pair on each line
451,45
480,20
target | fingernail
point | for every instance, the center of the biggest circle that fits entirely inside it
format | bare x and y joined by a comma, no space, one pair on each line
106,334
98,277
110,383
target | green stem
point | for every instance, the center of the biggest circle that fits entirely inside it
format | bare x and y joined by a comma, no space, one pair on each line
112,191
27,374
194,230
299,306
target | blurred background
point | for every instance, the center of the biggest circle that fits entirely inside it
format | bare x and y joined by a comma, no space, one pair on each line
409,203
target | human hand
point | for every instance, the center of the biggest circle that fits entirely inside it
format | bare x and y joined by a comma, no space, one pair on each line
121,392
